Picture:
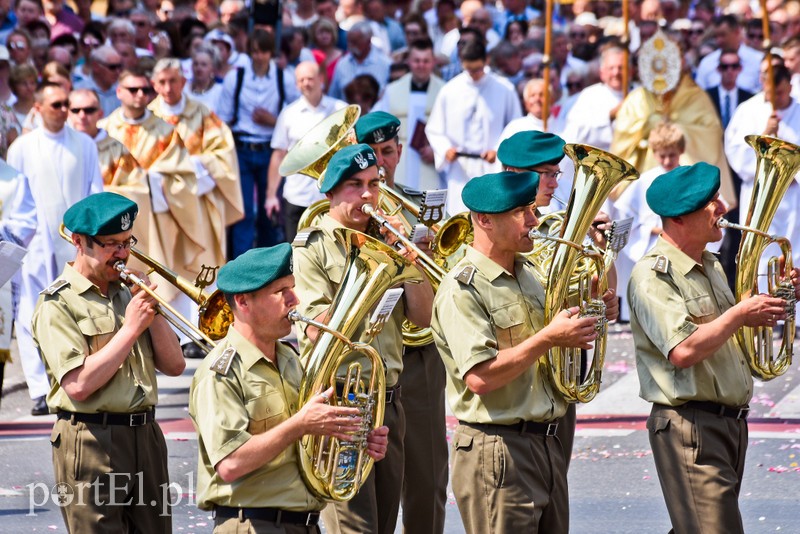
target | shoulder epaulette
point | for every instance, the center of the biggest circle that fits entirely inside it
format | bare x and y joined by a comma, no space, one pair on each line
301,238
466,275
223,363
661,264
55,287
411,191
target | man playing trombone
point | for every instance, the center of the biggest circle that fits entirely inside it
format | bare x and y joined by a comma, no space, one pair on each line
693,370
351,181
243,402
509,473
102,346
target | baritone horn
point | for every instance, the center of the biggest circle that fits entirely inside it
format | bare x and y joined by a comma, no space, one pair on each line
334,470
777,163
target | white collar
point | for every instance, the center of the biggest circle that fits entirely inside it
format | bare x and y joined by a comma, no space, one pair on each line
177,109
135,121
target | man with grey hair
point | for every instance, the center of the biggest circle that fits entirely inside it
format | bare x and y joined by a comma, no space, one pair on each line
105,64
362,58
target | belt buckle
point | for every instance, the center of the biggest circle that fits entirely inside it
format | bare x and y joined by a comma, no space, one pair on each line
136,418
389,396
312,519
743,413
551,429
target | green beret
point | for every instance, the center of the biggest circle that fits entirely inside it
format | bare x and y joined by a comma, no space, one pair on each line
531,148
504,191
101,214
377,127
255,268
345,163
683,189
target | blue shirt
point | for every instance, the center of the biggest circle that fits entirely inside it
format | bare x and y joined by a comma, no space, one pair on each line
375,64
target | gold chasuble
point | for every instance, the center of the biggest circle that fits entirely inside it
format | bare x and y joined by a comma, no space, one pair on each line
210,141
177,234
688,107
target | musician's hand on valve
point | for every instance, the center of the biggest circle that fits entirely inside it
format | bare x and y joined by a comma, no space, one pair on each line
761,310
378,442
568,329
793,276
612,304
597,231
322,419
140,312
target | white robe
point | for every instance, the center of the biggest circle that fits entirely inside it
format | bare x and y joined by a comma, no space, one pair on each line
10,179
588,121
470,117
59,170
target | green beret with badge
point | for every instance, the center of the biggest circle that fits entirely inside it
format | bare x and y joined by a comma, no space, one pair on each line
255,269
683,190
377,127
500,192
345,163
531,148
101,214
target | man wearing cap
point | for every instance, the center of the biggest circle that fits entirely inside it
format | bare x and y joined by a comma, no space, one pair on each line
243,402
683,318
101,346
488,325
350,182
423,377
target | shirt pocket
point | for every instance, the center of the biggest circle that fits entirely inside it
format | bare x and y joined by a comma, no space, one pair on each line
97,330
509,322
701,308
265,412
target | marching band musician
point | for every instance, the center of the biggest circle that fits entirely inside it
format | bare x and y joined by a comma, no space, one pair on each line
423,377
351,181
243,402
488,326
101,347
683,318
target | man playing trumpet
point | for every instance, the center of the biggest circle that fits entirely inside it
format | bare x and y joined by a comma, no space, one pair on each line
243,402
102,346
683,318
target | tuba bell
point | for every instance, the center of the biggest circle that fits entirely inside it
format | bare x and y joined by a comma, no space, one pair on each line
354,369
596,173
777,163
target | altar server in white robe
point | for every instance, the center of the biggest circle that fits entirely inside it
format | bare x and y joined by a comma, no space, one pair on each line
468,117
60,167
755,116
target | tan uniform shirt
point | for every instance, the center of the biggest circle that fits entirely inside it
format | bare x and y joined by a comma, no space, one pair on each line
319,268
479,310
252,397
75,321
666,308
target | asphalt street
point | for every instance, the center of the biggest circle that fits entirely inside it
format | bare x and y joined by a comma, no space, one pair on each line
613,483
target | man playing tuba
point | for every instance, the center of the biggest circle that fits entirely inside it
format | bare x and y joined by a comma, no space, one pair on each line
690,366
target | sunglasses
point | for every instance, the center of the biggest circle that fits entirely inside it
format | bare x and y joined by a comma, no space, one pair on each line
90,43
88,110
63,104
112,66
574,85
751,35
134,90
697,31
729,66
17,46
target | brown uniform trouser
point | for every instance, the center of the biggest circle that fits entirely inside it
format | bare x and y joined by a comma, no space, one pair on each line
233,525
566,431
375,507
425,478
509,482
699,458
117,475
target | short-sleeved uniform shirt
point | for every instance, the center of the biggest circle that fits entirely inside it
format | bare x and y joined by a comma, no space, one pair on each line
72,321
666,308
319,267
479,310
228,408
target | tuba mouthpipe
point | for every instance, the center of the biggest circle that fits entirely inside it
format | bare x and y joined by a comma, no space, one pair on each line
295,317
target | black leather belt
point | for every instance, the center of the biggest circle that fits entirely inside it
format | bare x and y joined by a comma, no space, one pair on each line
105,418
273,515
523,427
393,394
717,409
251,146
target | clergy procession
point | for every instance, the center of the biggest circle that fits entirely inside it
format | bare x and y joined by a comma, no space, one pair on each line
388,242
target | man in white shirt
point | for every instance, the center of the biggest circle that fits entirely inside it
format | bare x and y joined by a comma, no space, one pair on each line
299,190
60,167
728,34
467,118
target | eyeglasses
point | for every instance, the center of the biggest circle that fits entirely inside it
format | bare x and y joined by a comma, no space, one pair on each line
574,85
545,174
62,104
17,46
88,110
730,66
112,66
134,90
140,23
751,35
697,31
125,245
90,43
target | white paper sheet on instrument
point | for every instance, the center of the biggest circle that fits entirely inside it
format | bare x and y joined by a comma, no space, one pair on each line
10,260
387,304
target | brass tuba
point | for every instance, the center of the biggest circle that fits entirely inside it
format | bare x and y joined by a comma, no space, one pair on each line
354,369
596,174
777,163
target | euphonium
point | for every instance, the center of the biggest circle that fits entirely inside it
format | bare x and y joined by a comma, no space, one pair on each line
596,174
777,163
355,370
